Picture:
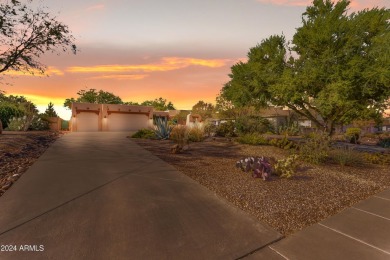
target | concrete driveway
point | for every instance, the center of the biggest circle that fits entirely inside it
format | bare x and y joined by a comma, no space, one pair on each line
101,196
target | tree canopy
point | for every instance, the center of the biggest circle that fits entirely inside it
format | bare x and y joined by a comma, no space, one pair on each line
26,34
160,104
205,110
94,96
335,69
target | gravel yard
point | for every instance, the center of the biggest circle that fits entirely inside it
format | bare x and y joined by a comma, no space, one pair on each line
18,151
288,205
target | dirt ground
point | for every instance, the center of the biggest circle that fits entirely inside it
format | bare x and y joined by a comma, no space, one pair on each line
18,151
288,205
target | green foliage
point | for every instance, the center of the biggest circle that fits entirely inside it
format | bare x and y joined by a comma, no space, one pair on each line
253,124
181,117
316,148
9,110
162,128
205,110
26,33
253,139
226,129
196,133
283,143
289,129
353,134
346,156
385,143
18,124
65,125
144,134
93,96
286,168
159,104
377,158
39,123
339,71
50,111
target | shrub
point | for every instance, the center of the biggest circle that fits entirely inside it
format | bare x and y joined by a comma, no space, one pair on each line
316,148
196,133
179,135
39,123
144,134
377,158
17,124
385,143
286,168
289,129
346,156
226,129
8,111
283,143
260,166
253,139
209,129
353,134
253,124
162,128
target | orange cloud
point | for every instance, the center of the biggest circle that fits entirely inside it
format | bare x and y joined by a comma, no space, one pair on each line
355,4
122,77
166,64
50,71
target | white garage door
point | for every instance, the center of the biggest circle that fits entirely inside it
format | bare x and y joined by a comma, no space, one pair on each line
87,122
127,122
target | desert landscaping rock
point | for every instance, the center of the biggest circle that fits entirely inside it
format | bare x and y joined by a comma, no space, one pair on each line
288,205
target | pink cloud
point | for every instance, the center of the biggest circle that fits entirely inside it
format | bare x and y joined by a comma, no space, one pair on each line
96,7
355,4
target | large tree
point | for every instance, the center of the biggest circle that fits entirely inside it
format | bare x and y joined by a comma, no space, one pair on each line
26,34
94,96
336,68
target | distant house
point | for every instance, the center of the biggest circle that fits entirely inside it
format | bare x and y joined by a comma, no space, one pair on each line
89,117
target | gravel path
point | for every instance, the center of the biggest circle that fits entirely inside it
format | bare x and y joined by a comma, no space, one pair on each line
288,205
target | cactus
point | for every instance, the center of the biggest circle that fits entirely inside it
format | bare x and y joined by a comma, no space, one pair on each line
260,166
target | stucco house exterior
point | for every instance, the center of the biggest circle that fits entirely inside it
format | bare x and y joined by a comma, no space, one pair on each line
89,117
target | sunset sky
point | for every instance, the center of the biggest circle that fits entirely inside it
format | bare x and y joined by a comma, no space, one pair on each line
181,50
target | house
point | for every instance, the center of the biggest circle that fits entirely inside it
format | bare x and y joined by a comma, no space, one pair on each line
89,117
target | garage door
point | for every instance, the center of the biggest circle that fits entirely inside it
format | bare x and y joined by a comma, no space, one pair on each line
127,122
87,122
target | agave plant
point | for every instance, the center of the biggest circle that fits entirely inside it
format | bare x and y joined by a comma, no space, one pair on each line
162,128
260,166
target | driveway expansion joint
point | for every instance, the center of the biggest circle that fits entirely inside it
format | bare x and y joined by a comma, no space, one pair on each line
354,238
66,202
376,215
262,247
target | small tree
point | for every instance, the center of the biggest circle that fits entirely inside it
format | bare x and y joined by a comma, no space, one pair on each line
50,112
205,110
26,34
